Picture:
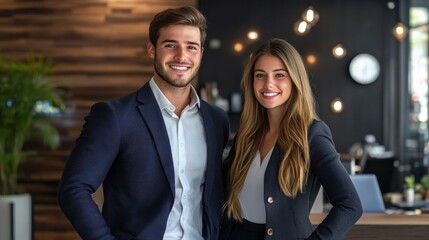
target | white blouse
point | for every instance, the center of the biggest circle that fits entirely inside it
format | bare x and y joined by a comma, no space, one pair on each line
251,196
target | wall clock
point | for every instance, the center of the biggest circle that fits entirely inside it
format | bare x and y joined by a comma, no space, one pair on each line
364,68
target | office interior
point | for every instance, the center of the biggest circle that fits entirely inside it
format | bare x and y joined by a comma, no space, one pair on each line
379,127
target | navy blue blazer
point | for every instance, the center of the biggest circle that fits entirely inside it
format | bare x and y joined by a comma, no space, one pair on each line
289,218
124,146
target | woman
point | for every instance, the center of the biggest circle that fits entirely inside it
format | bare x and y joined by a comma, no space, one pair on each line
281,156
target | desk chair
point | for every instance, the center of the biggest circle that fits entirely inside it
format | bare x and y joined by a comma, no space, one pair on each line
369,192
383,168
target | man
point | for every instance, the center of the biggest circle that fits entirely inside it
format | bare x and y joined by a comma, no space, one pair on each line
157,151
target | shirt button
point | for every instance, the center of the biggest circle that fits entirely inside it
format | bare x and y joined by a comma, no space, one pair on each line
185,197
270,199
270,231
182,171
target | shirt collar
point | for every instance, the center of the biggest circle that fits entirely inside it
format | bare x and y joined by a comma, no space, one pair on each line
164,103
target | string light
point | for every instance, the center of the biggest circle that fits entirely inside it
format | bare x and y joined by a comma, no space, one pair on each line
400,31
253,35
302,27
337,105
311,59
308,19
339,51
310,15
238,47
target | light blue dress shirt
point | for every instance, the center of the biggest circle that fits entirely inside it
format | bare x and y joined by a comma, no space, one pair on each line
189,150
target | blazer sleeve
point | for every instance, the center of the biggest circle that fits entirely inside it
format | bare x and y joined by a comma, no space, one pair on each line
87,166
327,167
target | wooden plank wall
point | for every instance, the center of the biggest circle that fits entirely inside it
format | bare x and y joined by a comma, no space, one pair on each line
99,52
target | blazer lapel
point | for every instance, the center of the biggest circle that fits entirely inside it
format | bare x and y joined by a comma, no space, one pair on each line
271,173
210,139
151,114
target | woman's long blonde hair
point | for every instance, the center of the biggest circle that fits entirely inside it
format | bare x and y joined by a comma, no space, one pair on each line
298,114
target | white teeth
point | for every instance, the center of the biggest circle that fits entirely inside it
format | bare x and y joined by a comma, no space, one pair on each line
270,94
179,68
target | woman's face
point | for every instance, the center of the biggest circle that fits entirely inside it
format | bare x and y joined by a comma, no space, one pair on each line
272,84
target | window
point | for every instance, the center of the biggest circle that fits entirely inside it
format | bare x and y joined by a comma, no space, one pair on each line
418,133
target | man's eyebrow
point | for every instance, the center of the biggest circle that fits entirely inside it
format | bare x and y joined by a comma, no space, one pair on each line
193,43
174,41
169,41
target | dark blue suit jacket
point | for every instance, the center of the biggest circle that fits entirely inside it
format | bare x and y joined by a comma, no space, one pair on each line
289,218
124,146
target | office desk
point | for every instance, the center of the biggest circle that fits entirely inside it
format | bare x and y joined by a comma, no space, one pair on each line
385,227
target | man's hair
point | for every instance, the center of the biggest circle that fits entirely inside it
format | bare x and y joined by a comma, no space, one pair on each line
187,15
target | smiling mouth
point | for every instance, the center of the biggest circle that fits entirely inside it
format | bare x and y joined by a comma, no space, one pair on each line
270,94
179,68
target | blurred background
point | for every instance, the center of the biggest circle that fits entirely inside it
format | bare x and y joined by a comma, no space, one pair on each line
98,52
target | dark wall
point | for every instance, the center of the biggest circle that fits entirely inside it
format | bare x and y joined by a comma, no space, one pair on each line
359,25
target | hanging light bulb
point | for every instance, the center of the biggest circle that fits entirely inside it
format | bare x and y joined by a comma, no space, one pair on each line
310,15
302,27
238,47
252,35
337,105
309,19
311,59
339,51
400,31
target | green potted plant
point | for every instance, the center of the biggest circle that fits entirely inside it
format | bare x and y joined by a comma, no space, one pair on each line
425,186
22,85
409,183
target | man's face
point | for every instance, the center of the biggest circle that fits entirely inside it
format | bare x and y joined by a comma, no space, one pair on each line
177,56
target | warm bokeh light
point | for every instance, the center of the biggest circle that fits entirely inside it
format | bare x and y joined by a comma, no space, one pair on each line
339,51
337,105
238,47
310,15
311,59
252,35
399,31
302,27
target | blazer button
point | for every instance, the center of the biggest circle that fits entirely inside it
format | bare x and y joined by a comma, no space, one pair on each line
270,231
270,199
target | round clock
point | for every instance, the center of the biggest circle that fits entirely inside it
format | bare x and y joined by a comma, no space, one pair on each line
364,68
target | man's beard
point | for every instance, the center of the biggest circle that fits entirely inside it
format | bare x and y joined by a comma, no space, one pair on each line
173,82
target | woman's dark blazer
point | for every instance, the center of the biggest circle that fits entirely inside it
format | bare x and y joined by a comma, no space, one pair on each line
289,218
